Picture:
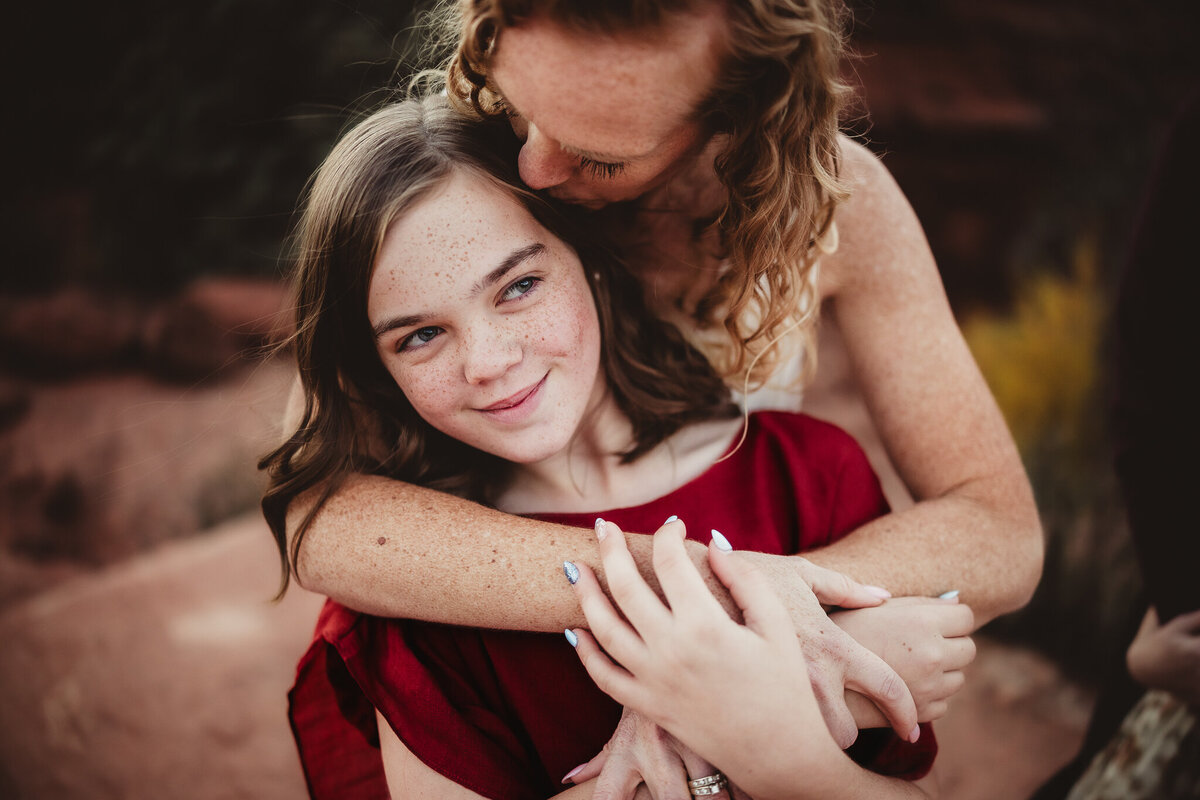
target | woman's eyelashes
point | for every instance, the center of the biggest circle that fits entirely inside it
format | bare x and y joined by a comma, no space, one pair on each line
597,169
601,169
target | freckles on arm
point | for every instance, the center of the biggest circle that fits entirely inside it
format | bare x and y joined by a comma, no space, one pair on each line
444,559
392,549
975,526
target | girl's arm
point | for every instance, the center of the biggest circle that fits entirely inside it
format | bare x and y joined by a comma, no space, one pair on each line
975,526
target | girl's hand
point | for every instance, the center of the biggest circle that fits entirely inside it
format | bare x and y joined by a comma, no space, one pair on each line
739,695
925,639
640,752
1168,656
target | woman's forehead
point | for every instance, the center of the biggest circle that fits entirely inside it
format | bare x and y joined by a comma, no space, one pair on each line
618,96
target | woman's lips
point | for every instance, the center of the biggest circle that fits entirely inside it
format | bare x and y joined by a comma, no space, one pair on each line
517,407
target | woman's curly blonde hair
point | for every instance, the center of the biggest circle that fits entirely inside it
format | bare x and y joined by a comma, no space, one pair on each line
777,100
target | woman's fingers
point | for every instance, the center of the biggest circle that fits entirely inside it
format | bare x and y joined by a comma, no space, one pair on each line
833,588
628,588
868,674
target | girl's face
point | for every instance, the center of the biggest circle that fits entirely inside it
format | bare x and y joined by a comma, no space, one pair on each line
606,119
486,322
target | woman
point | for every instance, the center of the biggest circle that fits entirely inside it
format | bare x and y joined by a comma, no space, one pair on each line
709,131
440,307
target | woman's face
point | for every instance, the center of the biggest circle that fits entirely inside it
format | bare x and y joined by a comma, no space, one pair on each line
606,119
486,322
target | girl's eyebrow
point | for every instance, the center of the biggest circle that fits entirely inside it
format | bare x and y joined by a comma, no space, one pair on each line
514,260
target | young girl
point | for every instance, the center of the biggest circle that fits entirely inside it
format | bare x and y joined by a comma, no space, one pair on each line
708,130
449,336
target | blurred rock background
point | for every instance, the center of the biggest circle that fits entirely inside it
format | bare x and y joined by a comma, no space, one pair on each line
155,156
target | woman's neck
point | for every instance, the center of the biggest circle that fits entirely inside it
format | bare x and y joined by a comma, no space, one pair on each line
588,475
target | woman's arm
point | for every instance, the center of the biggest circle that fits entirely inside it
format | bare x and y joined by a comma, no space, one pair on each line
396,550
975,526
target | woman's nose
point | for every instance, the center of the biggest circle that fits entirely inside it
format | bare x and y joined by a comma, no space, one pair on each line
490,354
542,163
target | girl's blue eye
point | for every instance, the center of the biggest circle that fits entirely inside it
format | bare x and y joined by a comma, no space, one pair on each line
520,288
419,337
601,169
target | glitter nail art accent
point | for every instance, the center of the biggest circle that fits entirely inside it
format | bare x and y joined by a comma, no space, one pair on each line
571,571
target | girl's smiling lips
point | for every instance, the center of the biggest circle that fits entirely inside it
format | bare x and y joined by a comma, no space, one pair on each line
517,407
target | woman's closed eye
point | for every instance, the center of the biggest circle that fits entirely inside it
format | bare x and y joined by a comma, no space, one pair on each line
602,169
418,338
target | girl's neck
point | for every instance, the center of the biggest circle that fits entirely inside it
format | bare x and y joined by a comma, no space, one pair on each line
588,475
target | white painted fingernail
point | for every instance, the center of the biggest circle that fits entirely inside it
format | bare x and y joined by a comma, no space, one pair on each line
671,519
950,595
573,640
720,541
601,529
573,773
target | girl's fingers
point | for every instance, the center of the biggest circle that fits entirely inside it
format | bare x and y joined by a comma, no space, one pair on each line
612,631
762,610
959,621
628,588
611,678
686,592
960,652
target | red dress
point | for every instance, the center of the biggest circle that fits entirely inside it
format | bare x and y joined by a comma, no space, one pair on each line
507,714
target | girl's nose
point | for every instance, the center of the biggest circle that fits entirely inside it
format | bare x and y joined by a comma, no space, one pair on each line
542,163
491,354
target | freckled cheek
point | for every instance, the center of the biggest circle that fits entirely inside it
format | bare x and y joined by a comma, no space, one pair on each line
432,393
566,329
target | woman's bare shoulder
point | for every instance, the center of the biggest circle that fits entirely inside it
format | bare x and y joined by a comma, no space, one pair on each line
877,227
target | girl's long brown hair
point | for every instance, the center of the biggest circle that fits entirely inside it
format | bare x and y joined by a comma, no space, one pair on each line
355,417
778,100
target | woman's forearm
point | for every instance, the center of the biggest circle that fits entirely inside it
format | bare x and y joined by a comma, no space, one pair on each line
991,553
397,550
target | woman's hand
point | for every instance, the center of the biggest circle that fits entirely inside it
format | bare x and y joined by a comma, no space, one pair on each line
640,752
835,661
739,695
1168,656
925,639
